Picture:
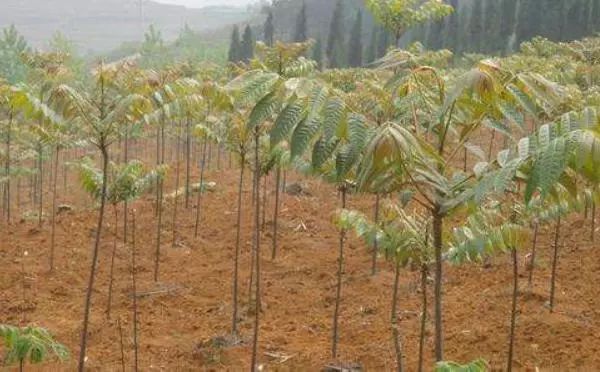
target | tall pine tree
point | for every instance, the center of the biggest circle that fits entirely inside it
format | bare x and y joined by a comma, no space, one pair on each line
269,30
355,46
247,44
301,32
372,49
235,46
317,52
336,37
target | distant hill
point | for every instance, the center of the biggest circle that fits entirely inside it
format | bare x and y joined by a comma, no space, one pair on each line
101,25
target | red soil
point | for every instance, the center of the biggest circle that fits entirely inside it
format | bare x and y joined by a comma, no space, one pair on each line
298,288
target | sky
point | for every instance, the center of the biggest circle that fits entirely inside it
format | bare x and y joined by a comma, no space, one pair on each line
201,3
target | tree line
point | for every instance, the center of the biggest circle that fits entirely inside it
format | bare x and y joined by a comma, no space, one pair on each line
346,35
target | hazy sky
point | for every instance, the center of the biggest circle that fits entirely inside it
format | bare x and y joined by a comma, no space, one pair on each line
201,3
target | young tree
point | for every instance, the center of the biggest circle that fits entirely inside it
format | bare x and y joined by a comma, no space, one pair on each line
301,31
29,343
154,52
100,111
398,16
12,48
235,46
355,45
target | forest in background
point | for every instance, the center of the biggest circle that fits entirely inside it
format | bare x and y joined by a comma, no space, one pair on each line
486,26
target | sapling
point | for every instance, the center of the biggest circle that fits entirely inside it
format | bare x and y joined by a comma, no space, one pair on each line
33,344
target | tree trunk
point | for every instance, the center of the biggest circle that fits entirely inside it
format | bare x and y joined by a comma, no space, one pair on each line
394,319
438,225
234,329
125,203
376,243
424,272
134,292
90,287
554,263
7,165
593,232
257,304
338,294
533,253
122,346
264,203
276,215
188,154
158,231
112,263
176,199
54,196
513,314
199,200
41,185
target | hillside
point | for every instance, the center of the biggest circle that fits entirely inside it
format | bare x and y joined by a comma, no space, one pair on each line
101,25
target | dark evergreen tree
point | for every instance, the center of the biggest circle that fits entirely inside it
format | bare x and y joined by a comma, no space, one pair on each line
451,30
336,37
317,53
355,46
235,46
493,40
434,34
371,55
301,32
247,44
269,30
475,29
384,40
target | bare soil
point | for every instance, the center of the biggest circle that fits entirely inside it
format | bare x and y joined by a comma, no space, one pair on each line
185,317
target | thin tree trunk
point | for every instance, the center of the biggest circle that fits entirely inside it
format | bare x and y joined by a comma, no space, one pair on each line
125,203
90,287
122,346
158,163
112,263
593,232
134,292
54,196
554,263
176,200
160,203
199,200
264,203
424,272
276,215
234,329
513,314
533,253
188,154
338,294
394,319
41,185
376,243
7,165
257,304
438,222
158,231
